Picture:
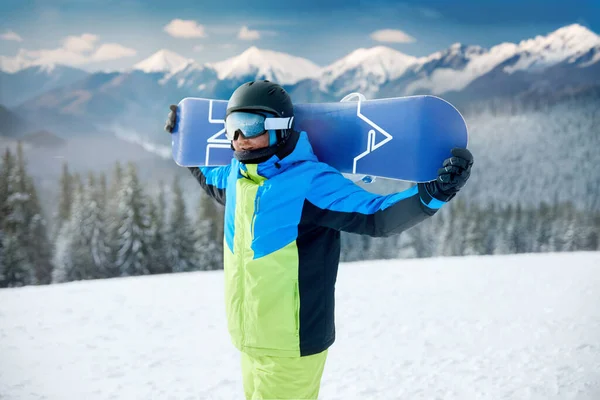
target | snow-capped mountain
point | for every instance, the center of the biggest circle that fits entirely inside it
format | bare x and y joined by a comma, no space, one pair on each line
592,56
192,77
545,51
266,64
558,61
531,56
162,61
364,70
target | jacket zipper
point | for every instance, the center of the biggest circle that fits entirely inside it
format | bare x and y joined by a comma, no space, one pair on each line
256,207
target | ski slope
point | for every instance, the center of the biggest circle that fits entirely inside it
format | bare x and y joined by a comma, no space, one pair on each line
501,327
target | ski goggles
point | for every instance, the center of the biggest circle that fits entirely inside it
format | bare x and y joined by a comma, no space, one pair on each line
252,125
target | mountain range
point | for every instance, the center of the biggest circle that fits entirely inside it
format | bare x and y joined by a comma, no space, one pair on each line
118,115
70,101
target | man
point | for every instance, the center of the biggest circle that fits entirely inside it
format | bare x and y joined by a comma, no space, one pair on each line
284,211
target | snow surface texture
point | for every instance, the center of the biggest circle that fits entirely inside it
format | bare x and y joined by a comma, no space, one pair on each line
501,327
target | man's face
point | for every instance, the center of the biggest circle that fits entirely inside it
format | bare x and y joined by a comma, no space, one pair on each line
255,143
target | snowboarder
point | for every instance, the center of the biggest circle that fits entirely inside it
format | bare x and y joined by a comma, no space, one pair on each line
284,211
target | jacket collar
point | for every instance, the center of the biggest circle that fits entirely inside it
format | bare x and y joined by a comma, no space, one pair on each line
297,149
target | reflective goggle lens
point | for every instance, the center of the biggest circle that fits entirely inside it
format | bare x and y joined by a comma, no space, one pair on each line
252,125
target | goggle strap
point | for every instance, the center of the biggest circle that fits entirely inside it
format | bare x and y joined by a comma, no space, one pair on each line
278,123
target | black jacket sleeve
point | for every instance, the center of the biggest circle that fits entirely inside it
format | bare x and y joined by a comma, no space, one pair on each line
213,180
338,203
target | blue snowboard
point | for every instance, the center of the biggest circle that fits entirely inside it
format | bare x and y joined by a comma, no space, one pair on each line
404,138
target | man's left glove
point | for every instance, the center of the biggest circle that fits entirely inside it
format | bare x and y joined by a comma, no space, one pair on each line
452,176
171,118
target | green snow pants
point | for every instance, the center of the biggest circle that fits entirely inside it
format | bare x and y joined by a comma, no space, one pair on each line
273,378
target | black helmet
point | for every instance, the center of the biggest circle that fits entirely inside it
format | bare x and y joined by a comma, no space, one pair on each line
261,96
264,96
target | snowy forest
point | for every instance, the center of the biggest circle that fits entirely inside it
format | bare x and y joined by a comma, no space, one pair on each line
106,227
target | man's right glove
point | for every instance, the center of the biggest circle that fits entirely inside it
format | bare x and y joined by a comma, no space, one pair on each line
452,176
171,118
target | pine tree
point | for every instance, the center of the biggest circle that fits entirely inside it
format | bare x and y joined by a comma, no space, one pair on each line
8,163
571,232
543,228
160,264
209,210
72,258
209,234
117,181
474,236
95,229
103,192
557,235
35,240
490,230
352,246
423,240
447,232
65,198
5,167
182,238
17,267
133,219
16,271
113,222
1,256
63,258
407,244
503,231
591,231
206,253
39,247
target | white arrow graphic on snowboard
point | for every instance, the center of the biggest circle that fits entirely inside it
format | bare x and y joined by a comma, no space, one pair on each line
371,145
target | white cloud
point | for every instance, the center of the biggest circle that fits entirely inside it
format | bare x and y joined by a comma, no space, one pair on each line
184,29
198,47
80,44
13,64
75,51
10,35
59,55
392,35
248,34
111,51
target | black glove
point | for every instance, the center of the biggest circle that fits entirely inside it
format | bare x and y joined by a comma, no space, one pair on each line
452,176
171,118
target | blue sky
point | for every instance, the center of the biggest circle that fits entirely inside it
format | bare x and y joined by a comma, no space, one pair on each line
91,33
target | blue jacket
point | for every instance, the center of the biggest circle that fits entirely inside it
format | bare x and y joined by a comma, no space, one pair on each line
283,219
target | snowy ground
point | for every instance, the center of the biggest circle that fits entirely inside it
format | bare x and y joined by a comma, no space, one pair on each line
503,327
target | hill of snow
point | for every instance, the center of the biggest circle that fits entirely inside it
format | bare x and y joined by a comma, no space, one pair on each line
502,327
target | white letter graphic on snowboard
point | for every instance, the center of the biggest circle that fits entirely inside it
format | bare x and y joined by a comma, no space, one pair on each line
213,141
